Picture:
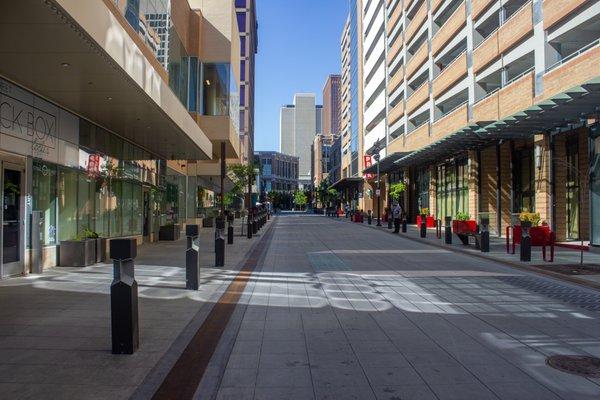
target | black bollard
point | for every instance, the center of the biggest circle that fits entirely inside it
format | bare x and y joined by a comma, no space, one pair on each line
230,229
219,243
369,217
525,241
485,235
404,225
438,228
390,221
192,264
448,230
423,227
124,297
249,227
254,226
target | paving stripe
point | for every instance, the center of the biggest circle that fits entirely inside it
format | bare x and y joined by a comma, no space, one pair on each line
185,376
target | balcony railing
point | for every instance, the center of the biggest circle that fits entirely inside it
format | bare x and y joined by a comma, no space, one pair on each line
452,73
516,95
479,6
417,60
416,22
393,19
518,26
418,97
395,81
450,122
456,21
486,109
554,11
486,52
396,113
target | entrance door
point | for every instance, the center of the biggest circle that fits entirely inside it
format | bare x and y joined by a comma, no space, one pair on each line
12,216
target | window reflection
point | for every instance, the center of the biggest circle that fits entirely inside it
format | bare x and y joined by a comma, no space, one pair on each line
215,94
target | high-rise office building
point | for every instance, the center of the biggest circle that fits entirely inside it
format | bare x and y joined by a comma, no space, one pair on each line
332,105
299,123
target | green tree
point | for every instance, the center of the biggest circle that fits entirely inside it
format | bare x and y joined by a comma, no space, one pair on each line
300,199
396,190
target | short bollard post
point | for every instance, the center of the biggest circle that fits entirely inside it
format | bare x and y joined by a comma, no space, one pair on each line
249,226
404,225
485,235
124,297
423,227
448,229
192,265
230,229
254,225
369,217
525,241
219,243
438,228
390,220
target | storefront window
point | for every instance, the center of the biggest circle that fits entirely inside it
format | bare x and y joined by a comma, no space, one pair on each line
44,198
67,204
524,186
572,188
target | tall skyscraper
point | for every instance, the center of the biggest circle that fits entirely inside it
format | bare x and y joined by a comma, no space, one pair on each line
332,105
299,123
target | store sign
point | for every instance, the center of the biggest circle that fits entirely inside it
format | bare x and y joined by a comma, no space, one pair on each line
368,161
22,121
93,165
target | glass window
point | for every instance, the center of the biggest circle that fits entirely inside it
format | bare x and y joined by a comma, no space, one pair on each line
85,203
243,46
215,96
44,198
67,204
116,209
241,20
242,73
240,3
242,95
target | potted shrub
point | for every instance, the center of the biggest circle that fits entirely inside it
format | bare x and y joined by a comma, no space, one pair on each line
169,231
462,224
79,252
100,243
424,214
209,220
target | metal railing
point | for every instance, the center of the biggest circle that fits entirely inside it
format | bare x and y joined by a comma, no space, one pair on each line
585,48
522,74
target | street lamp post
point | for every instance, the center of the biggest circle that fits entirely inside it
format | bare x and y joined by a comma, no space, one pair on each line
378,192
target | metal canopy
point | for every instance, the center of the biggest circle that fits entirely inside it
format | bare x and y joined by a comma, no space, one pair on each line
387,164
562,110
347,182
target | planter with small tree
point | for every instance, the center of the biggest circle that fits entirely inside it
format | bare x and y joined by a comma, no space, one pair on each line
540,235
81,251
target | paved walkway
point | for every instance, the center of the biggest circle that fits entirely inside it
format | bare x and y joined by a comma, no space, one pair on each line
321,309
55,327
339,311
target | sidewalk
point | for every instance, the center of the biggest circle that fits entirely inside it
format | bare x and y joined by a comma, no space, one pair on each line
55,340
565,260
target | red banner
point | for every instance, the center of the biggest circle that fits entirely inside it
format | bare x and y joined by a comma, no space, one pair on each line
93,166
368,160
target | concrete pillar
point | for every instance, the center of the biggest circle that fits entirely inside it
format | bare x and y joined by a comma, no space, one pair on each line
489,183
473,184
543,189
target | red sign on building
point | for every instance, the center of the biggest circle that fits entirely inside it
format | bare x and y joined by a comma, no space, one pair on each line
368,163
93,166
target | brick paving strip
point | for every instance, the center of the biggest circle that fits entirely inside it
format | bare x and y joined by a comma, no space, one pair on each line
184,377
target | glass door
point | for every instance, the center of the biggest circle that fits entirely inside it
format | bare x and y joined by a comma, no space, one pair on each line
572,189
12,215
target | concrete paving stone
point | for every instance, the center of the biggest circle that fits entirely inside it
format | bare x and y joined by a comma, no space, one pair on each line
420,392
321,347
250,335
437,356
284,394
519,391
444,373
299,376
285,360
391,359
235,393
283,346
242,360
247,347
392,376
74,391
498,372
239,378
463,391
344,393
332,360
351,375
283,334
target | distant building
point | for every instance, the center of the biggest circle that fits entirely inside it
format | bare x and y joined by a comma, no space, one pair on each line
332,105
299,124
279,172
321,156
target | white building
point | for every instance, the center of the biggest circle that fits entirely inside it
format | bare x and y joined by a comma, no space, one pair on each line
374,74
299,124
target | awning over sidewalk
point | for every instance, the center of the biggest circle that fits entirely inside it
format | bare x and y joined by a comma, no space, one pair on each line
346,183
387,164
561,112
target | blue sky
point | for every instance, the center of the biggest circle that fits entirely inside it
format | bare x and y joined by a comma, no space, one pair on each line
298,46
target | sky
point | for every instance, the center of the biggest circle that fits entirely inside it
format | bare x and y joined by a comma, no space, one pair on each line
298,47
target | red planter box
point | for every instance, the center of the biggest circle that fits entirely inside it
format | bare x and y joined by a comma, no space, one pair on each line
540,235
429,221
459,227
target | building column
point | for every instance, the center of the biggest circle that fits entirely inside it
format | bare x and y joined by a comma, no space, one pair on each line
473,184
543,188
